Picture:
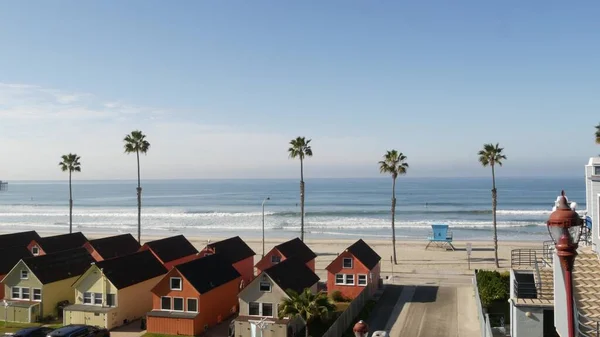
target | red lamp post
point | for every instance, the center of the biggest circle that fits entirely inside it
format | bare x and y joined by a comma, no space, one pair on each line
360,329
564,226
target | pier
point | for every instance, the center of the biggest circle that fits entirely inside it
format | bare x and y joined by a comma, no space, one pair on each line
3,185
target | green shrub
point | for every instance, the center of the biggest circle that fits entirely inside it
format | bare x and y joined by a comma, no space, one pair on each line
493,286
338,297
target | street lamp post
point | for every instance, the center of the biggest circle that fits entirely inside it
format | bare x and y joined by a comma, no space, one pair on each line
263,225
564,226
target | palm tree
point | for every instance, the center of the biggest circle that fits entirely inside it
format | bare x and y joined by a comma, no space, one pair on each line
598,133
306,305
394,163
300,148
136,143
491,155
70,162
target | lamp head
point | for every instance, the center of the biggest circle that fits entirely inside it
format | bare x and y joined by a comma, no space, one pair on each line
564,221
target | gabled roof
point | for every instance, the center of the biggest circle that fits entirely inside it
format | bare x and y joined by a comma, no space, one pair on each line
10,256
233,249
208,272
172,248
18,239
365,254
59,266
296,248
131,269
57,243
292,274
115,246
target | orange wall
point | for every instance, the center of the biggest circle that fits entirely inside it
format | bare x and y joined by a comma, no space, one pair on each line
163,288
265,263
246,268
33,243
217,305
169,265
350,291
170,326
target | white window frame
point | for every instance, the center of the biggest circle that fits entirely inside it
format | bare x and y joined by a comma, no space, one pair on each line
95,297
353,280
23,293
343,279
170,303
187,304
35,250
272,309
260,284
40,295
259,308
180,283
91,298
358,282
346,277
182,304
26,273
344,263
12,293
275,256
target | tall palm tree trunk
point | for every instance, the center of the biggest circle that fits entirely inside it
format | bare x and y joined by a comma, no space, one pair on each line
302,205
393,219
139,200
306,330
494,205
70,205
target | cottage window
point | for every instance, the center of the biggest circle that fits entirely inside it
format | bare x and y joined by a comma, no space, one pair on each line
362,280
165,303
25,293
275,258
16,292
111,300
254,309
597,170
350,279
267,309
347,263
178,303
192,305
265,286
24,274
339,279
87,298
37,294
176,283
98,298
35,250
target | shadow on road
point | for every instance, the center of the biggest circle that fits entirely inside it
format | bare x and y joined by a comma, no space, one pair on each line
425,294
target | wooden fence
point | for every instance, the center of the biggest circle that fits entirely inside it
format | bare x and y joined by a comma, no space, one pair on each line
347,317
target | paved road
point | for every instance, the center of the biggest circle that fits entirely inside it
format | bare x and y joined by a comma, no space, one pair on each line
381,313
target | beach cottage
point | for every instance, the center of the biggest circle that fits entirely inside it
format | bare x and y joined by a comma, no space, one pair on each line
112,246
56,243
352,270
20,239
9,257
238,253
260,300
194,296
116,291
293,248
172,251
39,286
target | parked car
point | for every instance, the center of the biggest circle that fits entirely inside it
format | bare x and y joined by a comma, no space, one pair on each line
78,330
38,331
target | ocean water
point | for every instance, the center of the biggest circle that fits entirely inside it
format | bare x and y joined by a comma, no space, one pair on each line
335,208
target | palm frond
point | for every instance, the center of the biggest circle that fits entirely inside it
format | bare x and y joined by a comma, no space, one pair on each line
491,154
598,133
70,162
300,148
136,142
394,163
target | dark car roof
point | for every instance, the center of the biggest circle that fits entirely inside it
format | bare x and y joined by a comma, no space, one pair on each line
27,331
365,254
57,243
68,329
292,274
208,272
132,269
233,249
18,239
172,248
10,256
296,248
59,266
115,246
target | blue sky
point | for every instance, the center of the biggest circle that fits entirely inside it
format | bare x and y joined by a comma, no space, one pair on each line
220,87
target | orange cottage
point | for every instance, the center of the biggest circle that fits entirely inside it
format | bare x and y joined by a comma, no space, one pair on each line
9,257
293,248
194,296
172,251
238,253
353,269
112,247
56,243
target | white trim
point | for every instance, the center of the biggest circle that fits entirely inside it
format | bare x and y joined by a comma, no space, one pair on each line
353,280
346,276
180,283
36,248
259,308
182,304
343,279
170,303
26,274
12,293
265,282
358,280
187,307
91,302
33,295
23,293
344,264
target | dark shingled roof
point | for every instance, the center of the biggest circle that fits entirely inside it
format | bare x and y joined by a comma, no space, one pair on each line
233,249
57,243
292,274
132,269
115,246
172,248
10,256
365,254
59,266
18,239
208,272
296,248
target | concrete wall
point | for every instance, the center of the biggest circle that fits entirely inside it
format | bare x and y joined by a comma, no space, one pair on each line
532,326
560,299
